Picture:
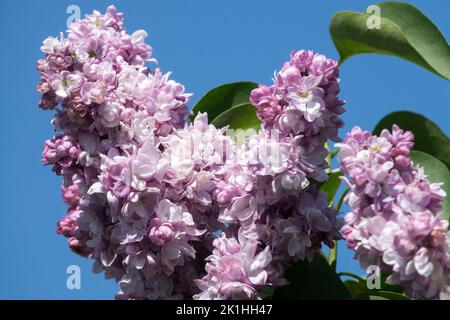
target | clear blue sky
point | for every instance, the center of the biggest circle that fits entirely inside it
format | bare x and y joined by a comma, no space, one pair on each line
205,43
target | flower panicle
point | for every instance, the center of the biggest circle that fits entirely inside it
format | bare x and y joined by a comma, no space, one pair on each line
173,209
395,220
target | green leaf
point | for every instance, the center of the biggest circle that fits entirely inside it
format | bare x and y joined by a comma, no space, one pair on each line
312,280
331,186
389,287
242,116
382,295
367,297
436,172
391,295
405,32
224,97
353,276
266,292
428,137
359,290
355,288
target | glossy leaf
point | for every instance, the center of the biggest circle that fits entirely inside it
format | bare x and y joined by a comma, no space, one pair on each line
404,32
224,97
436,172
312,280
428,137
239,117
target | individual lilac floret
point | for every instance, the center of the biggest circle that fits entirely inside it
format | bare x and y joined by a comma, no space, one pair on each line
395,220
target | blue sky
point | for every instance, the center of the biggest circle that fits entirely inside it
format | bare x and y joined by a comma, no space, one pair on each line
205,43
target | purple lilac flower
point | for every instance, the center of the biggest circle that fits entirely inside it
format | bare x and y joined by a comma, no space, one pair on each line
234,270
303,99
61,151
395,220
303,103
148,192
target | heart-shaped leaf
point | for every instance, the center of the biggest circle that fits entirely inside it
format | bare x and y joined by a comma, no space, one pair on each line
224,97
428,137
404,32
436,172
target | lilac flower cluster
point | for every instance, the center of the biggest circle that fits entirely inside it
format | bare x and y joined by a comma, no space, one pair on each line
395,220
303,102
172,209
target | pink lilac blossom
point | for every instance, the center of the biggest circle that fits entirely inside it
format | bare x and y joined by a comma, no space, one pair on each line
303,103
61,151
395,220
148,192
234,270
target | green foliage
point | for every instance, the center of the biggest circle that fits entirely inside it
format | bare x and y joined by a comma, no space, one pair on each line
228,105
383,295
224,97
405,32
359,290
312,280
428,137
331,186
242,116
436,172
